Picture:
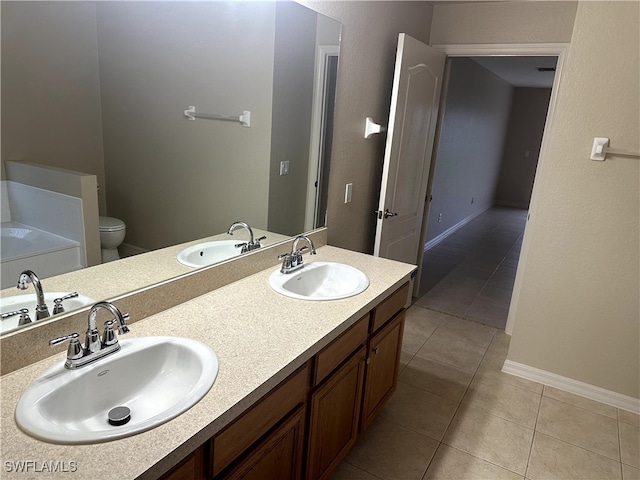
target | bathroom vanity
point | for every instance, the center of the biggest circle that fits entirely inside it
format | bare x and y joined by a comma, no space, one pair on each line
298,381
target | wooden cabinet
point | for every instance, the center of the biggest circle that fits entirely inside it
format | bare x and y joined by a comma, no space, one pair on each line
335,411
191,468
278,457
383,360
307,424
237,441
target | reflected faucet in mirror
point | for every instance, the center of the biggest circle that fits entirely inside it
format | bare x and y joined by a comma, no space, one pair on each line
26,277
251,244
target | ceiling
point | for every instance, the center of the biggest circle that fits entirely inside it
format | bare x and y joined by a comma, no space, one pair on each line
521,71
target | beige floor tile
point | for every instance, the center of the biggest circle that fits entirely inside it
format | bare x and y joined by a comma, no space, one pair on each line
467,331
493,360
579,427
443,348
500,343
582,402
491,375
630,473
502,399
491,438
420,411
630,444
435,377
419,324
345,471
405,358
554,459
392,452
452,464
628,417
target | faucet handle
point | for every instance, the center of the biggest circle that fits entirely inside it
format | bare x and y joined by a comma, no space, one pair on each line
57,307
24,316
109,336
74,352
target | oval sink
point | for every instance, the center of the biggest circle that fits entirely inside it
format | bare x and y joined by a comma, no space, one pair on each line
320,281
156,378
208,253
28,301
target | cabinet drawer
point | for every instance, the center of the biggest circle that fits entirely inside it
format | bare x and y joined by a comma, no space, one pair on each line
389,307
338,350
258,420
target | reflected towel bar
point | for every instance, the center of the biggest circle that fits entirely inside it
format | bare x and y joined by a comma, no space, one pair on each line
244,119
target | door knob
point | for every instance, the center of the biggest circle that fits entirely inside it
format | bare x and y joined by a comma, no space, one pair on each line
386,214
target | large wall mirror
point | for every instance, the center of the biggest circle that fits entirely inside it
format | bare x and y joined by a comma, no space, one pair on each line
102,88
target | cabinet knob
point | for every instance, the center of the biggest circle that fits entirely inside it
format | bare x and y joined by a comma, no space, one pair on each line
375,350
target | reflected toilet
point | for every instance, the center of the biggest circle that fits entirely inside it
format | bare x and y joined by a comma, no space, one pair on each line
112,232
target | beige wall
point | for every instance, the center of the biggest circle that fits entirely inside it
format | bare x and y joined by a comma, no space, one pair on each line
365,74
471,136
578,314
522,146
293,74
170,179
503,22
50,86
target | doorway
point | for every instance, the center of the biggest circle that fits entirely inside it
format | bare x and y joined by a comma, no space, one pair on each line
483,272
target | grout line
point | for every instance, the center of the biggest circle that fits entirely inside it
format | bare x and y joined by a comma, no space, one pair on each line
535,430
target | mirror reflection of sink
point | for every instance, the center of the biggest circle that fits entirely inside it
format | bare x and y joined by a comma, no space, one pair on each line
208,253
156,378
320,281
28,301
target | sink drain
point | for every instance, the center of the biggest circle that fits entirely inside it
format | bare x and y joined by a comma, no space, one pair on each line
119,416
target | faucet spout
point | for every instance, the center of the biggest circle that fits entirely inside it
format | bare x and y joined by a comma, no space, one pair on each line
121,319
244,225
26,277
252,244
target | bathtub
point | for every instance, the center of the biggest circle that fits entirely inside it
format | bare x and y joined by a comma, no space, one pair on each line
24,247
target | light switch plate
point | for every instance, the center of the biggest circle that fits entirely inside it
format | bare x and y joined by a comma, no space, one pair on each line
284,167
348,192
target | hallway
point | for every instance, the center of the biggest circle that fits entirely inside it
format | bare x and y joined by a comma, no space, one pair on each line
470,274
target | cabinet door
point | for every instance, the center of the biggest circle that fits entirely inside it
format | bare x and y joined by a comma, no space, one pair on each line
335,410
191,468
277,457
383,360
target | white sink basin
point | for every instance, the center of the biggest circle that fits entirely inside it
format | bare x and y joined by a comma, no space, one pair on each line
320,281
28,301
208,253
157,378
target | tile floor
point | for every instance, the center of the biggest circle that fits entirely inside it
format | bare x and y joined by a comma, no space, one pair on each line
455,415
471,272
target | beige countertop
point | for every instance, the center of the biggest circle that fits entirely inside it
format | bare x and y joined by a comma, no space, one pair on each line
260,337
112,279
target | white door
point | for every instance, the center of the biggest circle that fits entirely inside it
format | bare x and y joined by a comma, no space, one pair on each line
412,122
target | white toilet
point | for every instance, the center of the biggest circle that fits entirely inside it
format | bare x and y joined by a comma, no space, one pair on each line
112,231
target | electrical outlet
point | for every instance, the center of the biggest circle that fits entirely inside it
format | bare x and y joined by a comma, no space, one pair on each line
439,217
284,168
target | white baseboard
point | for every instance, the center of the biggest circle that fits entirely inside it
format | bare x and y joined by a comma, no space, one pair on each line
570,385
434,241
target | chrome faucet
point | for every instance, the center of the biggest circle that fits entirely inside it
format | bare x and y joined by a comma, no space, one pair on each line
245,246
28,276
293,261
94,347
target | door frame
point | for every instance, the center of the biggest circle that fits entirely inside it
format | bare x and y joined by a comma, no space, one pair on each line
519,50
317,134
